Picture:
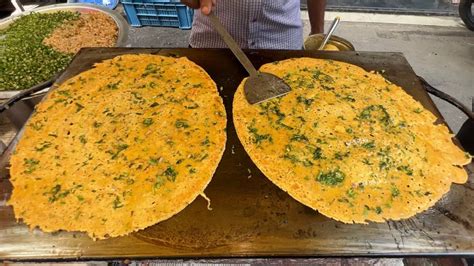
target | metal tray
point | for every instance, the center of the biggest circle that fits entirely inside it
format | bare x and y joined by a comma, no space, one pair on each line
250,216
122,26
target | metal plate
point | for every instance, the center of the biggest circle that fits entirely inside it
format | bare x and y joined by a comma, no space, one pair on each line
250,216
122,26
109,4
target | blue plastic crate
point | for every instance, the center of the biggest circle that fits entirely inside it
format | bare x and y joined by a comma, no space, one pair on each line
159,13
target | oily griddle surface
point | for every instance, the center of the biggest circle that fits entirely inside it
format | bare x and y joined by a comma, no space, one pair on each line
250,216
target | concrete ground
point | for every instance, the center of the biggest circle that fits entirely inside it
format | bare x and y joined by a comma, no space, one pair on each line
439,49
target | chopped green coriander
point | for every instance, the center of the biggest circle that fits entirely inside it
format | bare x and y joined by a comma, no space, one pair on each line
79,107
148,122
406,169
82,139
206,142
341,155
395,191
181,123
351,193
259,138
307,102
331,177
56,193
369,145
24,60
318,154
299,137
378,210
117,203
418,110
30,165
170,173
43,146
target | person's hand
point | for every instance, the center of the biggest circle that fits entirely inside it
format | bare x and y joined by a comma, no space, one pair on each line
204,5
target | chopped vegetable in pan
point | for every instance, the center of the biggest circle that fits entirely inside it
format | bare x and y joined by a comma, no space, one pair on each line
24,60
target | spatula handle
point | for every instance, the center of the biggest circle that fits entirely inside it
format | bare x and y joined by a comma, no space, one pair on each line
234,47
332,28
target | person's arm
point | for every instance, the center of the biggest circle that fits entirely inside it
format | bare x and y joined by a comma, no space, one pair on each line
316,10
204,5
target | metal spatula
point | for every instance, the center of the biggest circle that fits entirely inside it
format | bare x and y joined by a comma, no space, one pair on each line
332,28
259,86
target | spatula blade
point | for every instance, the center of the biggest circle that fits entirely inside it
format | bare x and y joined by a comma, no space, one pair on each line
264,86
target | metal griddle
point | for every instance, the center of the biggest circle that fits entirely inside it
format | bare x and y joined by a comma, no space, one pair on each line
250,216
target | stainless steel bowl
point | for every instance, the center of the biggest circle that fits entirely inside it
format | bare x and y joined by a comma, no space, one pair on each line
122,25
313,42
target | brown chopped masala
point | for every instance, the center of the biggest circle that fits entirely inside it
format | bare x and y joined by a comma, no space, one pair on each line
90,30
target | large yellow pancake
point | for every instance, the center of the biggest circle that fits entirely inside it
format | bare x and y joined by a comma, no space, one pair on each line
349,143
120,147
